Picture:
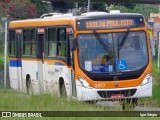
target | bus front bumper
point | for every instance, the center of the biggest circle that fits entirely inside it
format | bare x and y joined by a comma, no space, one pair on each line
90,94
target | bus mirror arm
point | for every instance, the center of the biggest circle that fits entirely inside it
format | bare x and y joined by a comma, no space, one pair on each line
71,47
73,44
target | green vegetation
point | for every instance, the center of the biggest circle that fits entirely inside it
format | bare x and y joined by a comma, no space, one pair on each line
46,102
154,101
156,81
1,59
1,53
144,9
14,101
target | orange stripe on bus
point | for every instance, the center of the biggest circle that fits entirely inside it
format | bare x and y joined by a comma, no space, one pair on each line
32,59
14,59
39,22
52,62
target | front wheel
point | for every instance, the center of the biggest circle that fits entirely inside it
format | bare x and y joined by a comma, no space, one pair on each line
91,102
129,104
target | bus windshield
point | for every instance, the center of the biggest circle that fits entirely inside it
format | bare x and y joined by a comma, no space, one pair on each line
100,52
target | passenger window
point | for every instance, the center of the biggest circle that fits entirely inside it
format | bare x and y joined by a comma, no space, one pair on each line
61,43
12,35
26,42
51,43
33,42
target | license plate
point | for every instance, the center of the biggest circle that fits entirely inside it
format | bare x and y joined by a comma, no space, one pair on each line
117,96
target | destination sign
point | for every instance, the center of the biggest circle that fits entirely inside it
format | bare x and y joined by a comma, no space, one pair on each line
109,24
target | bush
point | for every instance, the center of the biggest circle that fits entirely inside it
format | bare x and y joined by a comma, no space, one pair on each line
18,9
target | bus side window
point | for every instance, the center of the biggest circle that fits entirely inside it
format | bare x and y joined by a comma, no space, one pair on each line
12,35
26,42
61,42
33,42
51,42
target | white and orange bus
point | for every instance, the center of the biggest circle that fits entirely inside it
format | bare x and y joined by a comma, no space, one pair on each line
94,56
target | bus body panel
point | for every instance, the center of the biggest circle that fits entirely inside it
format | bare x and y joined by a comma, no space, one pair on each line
15,67
54,70
32,72
15,83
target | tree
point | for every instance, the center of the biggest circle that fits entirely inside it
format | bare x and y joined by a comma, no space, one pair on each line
17,9
139,8
62,6
95,6
41,6
145,9
99,6
103,6
126,5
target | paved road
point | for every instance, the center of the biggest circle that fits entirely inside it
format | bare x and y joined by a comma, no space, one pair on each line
116,106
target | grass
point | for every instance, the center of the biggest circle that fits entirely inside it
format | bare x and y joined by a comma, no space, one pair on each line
156,81
14,101
154,101
45,102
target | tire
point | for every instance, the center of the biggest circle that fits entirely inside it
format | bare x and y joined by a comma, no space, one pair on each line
63,92
91,102
29,86
129,104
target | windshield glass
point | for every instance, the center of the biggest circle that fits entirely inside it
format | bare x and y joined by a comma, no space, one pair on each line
100,52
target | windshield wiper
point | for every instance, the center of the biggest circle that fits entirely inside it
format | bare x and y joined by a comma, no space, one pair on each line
120,45
104,45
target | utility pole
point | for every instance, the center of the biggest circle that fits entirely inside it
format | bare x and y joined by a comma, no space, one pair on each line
5,26
89,4
159,44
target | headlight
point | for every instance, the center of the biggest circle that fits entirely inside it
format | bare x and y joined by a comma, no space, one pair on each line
84,82
146,79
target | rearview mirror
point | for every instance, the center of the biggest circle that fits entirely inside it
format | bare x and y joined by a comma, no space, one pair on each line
73,44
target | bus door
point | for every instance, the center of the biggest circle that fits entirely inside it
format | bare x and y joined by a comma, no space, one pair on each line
40,57
70,60
18,59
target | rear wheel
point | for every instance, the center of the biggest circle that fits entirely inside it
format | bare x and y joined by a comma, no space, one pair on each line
29,86
63,93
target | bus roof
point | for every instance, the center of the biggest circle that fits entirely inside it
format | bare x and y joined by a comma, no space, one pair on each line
40,22
109,16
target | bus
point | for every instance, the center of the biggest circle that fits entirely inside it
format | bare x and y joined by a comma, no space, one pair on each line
91,57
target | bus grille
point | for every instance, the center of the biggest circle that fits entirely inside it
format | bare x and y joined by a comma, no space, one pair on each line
126,93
